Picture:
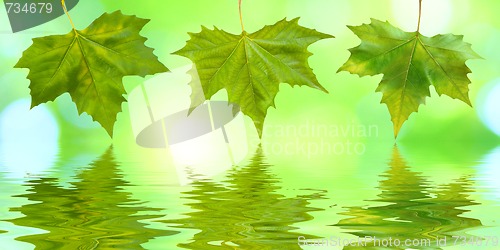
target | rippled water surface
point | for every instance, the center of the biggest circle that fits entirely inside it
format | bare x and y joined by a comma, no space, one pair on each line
132,199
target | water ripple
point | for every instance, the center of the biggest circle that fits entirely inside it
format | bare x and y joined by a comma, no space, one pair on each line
245,211
95,213
414,209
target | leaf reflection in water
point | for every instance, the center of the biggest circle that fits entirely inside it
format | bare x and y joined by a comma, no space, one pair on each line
415,210
245,211
96,213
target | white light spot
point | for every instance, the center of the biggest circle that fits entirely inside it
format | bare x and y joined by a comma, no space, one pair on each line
489,108
28,139
436,15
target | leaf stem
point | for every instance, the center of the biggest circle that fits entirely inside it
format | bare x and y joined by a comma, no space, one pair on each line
63,3
241,16
419,15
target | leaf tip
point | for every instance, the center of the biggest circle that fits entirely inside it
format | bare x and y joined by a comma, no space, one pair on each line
327,36
179,52
163,68
398,124
468,102
110,132
259,126
374,21
323,89
475,55
396,131
192,108
18,65
260,133
294,20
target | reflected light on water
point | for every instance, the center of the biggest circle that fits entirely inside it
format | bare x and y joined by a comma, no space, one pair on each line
28,139
488,110
490,173
246,211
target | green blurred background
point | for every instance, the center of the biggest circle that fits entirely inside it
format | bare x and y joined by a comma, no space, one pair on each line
352,100
461,132
446,139
443,129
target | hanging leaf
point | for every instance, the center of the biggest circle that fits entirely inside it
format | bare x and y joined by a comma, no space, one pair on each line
90,64
251,66
410,63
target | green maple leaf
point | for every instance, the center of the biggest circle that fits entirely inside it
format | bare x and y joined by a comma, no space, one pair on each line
251,66
90,64
410,63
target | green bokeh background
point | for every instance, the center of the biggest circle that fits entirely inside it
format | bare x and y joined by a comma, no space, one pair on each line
351,99
444,139
443,129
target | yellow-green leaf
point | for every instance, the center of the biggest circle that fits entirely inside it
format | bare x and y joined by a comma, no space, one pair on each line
90,64
410,63
251,66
